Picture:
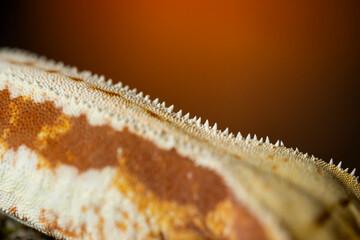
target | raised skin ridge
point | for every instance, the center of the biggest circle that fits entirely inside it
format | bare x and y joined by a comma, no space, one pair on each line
150,162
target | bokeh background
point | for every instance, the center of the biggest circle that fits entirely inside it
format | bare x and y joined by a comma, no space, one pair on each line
289,70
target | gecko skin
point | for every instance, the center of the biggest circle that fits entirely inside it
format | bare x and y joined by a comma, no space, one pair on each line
81,158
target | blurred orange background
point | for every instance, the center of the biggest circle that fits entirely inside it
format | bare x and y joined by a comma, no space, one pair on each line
289,70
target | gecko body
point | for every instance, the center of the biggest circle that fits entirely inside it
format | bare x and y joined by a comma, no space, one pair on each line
82,158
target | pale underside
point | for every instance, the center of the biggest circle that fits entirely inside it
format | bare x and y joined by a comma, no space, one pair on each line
292,195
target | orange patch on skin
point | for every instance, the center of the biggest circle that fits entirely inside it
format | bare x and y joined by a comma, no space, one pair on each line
101,227
319,171
286,159
125,215
58,128
83,230
13,210
274,167
101,222
121,226
137,227
271,157
14,112
43,163
50,221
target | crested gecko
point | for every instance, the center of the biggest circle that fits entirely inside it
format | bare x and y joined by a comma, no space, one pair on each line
83,158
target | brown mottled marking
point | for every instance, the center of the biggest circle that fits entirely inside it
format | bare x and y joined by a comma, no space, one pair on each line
162,236
271,157
163,172
274,167
109,93
51,71
237,156
154,115
344,202
323,217
26,63
286,159
326,213
319,171
13,210
75,79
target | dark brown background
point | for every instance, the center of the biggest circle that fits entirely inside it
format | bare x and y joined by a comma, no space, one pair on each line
286,69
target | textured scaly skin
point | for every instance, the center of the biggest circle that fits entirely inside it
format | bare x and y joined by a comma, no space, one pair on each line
81,158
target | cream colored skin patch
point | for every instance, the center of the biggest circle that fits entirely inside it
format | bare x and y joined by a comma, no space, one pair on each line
46,198
55,179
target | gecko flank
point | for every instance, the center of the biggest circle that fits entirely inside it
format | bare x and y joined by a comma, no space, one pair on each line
82,158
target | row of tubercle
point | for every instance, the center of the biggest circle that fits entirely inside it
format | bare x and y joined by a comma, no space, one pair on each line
140,98
197,122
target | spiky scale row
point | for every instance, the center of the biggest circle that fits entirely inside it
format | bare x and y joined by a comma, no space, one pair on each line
197,121
170,109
